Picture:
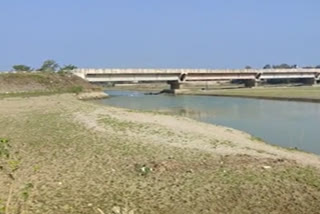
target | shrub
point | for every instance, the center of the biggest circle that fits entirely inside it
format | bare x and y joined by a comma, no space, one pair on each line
76,89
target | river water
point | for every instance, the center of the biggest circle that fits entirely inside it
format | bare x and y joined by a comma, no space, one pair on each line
283,123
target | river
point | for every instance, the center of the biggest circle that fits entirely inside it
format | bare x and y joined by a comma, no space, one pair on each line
283,123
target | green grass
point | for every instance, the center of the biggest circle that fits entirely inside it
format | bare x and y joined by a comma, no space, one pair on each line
258,139
300,93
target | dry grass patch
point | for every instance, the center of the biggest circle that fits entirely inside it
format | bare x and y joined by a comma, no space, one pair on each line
58,165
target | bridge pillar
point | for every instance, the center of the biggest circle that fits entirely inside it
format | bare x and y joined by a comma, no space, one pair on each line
174,85
250,83
309,81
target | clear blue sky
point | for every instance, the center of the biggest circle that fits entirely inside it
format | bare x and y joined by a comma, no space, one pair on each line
160,33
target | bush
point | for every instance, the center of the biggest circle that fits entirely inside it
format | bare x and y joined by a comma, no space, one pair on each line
76,89
21,68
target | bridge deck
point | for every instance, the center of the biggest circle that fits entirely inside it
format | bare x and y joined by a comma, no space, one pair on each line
123,75
179,71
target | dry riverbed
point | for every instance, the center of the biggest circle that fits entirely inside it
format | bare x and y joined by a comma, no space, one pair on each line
62,155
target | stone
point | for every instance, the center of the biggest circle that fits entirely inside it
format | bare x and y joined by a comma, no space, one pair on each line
116,210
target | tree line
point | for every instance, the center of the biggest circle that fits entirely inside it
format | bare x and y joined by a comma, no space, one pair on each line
52,66
49,66
283,66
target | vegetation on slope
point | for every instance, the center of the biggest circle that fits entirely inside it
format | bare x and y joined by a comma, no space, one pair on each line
42,83
49,78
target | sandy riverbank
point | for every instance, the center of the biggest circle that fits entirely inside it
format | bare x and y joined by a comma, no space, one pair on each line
71,156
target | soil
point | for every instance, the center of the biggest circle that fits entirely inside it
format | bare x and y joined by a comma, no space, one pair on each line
73,156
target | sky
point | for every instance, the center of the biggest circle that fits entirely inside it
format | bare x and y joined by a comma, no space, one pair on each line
159,33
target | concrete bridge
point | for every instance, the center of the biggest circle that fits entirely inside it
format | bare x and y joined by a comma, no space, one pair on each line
176,77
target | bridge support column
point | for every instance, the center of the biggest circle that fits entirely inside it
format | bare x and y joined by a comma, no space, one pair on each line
309,81
174,85
250,83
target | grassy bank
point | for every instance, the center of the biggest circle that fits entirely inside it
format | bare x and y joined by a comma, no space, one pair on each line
41,83
289,93
62,155
302,93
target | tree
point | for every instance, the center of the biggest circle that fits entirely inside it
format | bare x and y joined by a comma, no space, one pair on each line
248,67
267,66
21,68
49,66
284,66
67,68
